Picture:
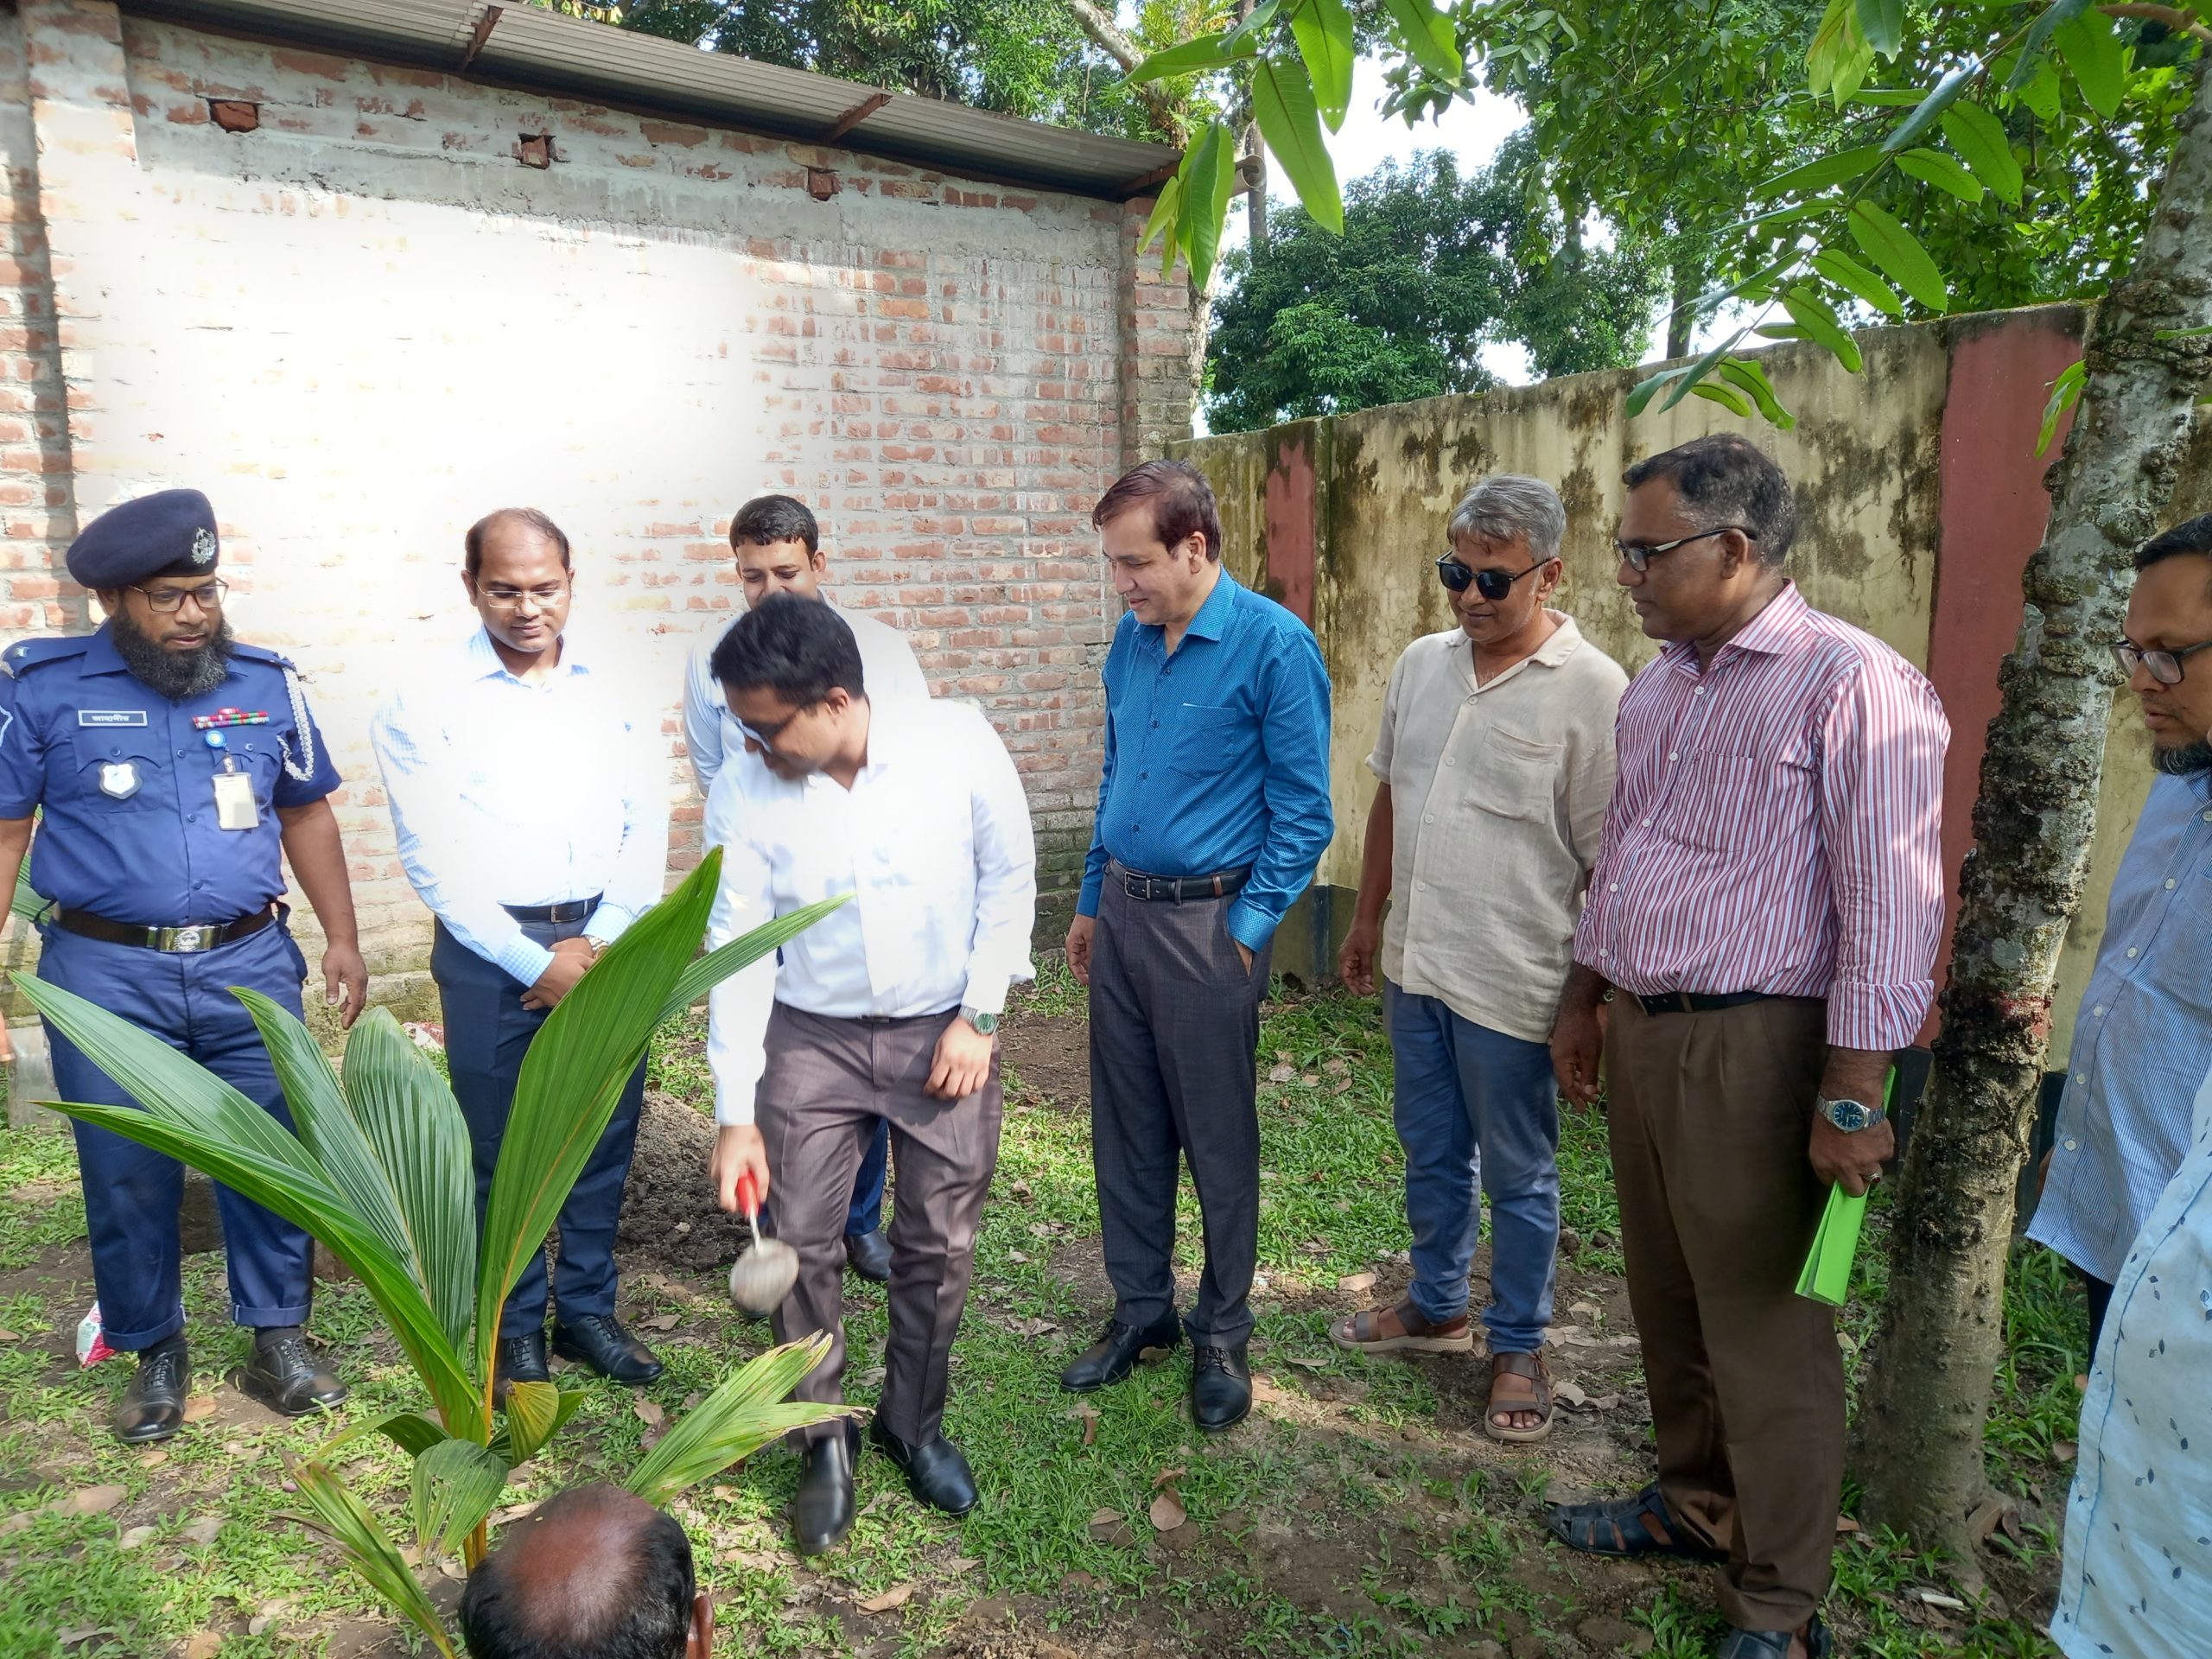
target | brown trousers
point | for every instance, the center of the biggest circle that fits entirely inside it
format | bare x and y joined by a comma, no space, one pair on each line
827,1082
1710,1115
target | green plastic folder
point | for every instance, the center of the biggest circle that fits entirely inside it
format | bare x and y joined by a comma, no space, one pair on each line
1827,1277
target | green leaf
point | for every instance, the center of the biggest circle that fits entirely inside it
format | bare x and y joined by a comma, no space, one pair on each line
1727,396
1641,393
409,1115
1882,21
1323,30
1161,222
1900,98
1780,331
1839,58
456,1484
1208,169
1247,33
535,1413
339,1517
2065,392
1823,171
1207,53
1930,109
1854,278
1810,312
2183,334
1897,254
2042,91
745,1414
1698,370
190,1114
1282,103
409,1430
1428,36
2091,47
1945,172
1979,138
709,971
1744,373
2054,16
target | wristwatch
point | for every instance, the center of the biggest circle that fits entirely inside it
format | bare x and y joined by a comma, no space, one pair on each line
1851,1115
985,1024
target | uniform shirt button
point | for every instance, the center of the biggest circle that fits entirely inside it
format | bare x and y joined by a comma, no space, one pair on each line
2070,1143
2098,1011
1429,817
1449,761
2208,817
1144,777
2132,952
2169,884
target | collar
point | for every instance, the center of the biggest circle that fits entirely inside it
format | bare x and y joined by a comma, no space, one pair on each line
484,663
1213,619
101,657
1782,627
1558,646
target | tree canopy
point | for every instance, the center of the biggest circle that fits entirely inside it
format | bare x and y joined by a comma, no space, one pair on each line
1433,264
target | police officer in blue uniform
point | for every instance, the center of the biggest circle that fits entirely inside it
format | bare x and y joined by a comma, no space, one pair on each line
171,764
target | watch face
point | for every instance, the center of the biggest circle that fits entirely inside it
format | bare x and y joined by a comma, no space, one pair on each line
984,1023
1849,1115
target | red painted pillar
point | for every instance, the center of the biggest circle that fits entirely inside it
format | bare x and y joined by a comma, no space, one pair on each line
1290,511
1994,507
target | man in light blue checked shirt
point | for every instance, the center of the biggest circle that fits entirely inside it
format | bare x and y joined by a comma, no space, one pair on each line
533,821
2143,1040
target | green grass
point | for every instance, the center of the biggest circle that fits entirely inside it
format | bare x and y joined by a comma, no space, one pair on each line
1338,1522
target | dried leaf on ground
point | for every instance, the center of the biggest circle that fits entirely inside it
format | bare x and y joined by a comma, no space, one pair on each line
6,1335
89,1500
1353,1283
1105,1520
203,1531
1283,1073
153,1459
660,1322
1016,1255
1843,1525
2063,1450
962,1564
199,1406
896,1596
1166,1475
1305,1363
1167,1511
649,1412
1993,1514
205,1645
1570,1395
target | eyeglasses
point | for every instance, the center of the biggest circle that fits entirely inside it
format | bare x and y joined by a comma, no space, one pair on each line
1639,558
1492,585
2164,665
208,596
507,598
766,736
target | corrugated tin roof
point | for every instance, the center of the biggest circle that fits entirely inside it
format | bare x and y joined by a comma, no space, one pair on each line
545,52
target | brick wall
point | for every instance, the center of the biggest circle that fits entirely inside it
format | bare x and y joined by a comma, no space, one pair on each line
404,299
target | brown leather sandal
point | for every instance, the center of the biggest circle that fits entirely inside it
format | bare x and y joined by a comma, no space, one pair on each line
1401,1330
1532,1367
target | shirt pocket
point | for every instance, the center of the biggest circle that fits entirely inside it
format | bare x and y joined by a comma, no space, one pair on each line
254,749
121,769
1207,740
1735,803
1517,776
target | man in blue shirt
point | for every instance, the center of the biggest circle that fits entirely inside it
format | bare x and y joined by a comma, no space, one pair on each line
172,764
2142,1039
1213,808
528,787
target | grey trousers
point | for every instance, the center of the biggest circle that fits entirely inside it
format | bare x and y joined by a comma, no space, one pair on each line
828,1083
1174,1025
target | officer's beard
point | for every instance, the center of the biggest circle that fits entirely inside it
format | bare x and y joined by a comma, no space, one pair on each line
177,675
2190,760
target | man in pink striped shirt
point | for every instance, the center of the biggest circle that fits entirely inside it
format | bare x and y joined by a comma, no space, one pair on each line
1764,920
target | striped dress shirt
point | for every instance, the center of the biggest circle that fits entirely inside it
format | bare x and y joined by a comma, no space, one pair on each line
1774,827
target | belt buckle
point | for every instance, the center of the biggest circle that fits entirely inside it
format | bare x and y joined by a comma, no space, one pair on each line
187,940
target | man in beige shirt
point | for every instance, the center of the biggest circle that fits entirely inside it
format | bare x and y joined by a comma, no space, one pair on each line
1496,761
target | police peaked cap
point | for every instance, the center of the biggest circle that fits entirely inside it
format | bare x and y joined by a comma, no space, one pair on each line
169,533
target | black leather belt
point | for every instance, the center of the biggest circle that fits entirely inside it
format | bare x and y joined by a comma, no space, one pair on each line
1696,1001
1174,889
569,910
180,940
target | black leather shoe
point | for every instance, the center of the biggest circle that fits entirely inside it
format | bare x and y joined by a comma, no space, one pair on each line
1221,1387
600,1341
152,1407
936,1472
822,1514
519,1359
1107,1360
869,1255
283,1376
1774,1644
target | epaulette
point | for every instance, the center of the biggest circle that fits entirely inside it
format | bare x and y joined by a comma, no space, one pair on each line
28,654
262,654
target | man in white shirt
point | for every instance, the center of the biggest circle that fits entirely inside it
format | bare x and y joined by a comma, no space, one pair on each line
884,1012
1496,761
779,547
533,821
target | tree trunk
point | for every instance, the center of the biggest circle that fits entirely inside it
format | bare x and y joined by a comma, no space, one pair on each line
1689,272
1252,167
1921,1415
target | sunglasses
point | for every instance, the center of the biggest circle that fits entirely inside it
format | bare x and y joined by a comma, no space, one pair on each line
1492,585
766,736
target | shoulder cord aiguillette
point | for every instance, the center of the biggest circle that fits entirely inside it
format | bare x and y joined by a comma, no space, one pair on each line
302,770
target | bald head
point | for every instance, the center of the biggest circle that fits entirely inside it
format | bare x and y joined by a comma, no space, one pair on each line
593,1574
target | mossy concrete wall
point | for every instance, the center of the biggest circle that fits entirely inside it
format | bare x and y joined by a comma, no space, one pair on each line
1920,499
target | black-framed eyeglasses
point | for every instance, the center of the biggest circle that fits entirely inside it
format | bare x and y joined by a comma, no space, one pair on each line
2164,665
208,596
1639,558
1492,585
766,736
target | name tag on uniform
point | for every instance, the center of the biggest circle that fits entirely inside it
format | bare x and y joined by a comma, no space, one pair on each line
111,716
234,807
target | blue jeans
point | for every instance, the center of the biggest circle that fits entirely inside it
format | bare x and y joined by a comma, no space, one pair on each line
867,1214
1475,1105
